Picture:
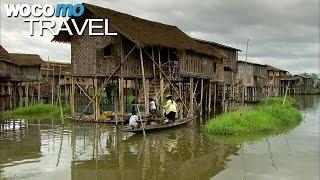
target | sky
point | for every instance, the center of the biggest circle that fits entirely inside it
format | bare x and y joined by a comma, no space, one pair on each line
284,33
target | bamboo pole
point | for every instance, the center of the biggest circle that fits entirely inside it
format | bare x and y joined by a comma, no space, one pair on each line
161,79
121,88
59,96
285,95
107,79
84,92
175,90
143,82
153,65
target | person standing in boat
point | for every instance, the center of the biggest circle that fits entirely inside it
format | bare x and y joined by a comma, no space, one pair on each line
171,108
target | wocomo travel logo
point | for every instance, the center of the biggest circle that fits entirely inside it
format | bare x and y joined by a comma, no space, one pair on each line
43,17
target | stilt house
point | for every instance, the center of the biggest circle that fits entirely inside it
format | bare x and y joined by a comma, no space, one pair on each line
145,60
252,78
227,87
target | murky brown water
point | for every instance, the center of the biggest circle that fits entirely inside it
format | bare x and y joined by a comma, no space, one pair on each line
96,151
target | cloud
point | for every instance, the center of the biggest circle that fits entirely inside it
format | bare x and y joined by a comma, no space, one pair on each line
282,33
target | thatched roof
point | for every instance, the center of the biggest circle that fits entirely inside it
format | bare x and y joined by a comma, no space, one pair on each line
256,64
65,67
217,44
145,32
4,55
25,59
271,68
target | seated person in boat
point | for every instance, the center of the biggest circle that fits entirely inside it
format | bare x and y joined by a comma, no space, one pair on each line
133,120
152,107
171,108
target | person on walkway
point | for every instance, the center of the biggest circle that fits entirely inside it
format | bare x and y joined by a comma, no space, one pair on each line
152,107
171,108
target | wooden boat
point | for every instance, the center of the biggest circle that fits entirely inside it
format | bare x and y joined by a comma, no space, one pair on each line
160,126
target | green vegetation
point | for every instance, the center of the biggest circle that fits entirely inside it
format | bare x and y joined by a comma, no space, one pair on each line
37,112
268,117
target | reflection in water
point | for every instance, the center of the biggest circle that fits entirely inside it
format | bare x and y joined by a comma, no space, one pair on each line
97,151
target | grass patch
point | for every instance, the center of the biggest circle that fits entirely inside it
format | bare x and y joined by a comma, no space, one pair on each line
37,112
270,117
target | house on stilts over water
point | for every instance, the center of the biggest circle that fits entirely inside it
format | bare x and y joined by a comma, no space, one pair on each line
19,79
145,60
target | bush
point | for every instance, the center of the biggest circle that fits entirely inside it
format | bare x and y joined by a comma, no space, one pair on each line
262,119
40,111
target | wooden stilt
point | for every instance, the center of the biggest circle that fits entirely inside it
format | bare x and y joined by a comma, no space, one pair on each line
27,94
201,98
121,99
59,96
52,87
39,92
10,95
32,93
180,107
209,98
215,98
223,95
191,96
72,96
96,109
20,95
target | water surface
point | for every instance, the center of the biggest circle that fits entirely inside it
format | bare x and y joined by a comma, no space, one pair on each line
46,150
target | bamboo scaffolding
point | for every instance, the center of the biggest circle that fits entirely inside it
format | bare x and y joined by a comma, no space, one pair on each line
106,81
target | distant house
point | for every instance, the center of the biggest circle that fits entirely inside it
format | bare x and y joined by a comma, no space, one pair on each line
29,66
253,78
19,78
274,80
8,69
298,84
229,59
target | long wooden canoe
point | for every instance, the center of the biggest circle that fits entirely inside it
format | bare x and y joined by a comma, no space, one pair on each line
157,127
